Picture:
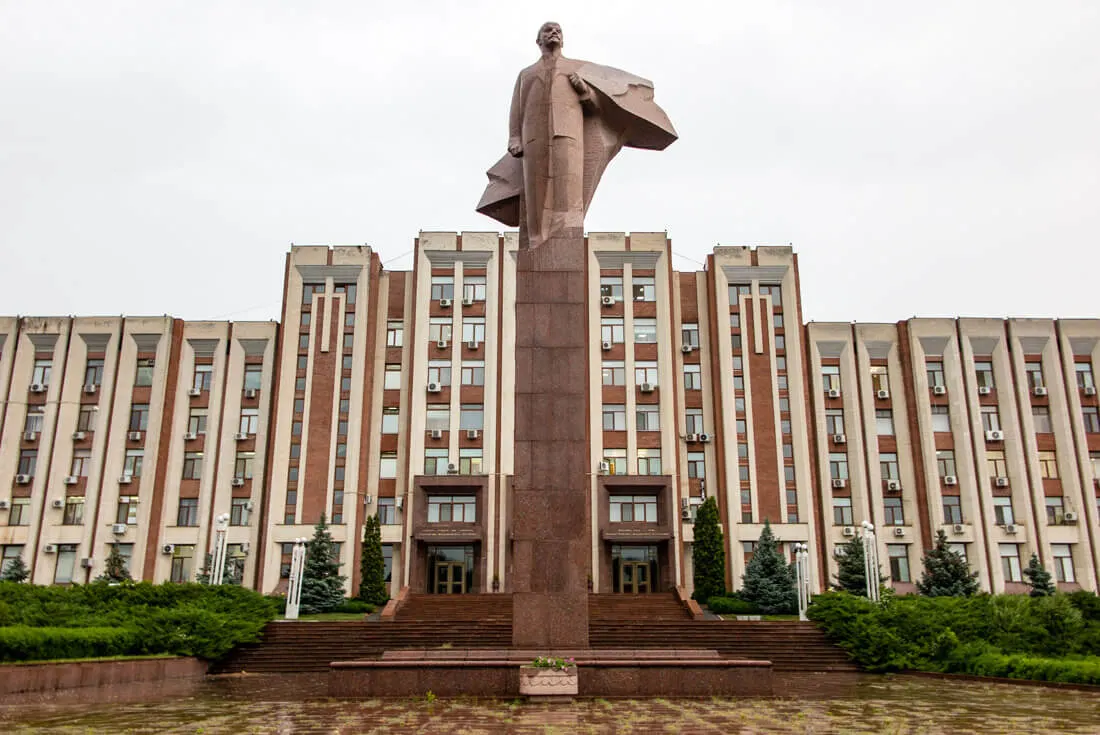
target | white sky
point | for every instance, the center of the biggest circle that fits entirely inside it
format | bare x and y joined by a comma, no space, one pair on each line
935,159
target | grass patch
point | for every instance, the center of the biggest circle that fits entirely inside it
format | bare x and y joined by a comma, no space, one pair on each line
321,617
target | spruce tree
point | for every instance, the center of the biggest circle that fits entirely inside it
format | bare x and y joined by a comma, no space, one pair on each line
1038,578
322,583
708,553
946,573
15,571
851,575
769,581
372,565
232,570
115,570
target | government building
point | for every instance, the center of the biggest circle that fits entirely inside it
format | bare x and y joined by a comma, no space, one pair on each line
391,393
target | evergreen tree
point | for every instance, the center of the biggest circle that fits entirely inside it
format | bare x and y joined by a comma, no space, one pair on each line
1038,578
232,571
708,553
322,583
372,566
116,570
15,571
946,573
851,575
769,581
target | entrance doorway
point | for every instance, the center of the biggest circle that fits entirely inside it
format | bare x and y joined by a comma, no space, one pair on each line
450,569
634,569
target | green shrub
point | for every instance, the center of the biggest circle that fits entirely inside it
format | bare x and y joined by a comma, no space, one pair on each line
731,606
23,643
353,606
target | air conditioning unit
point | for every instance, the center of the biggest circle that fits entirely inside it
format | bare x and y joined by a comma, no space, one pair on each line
38,388
50,548
399,502
452,468
57,503
434,387
168,548
5,504
1010,528
950,480
442,344
840,439
78,436
29,436
245,548
190,436
71,479
472,433
195,392
125,480
607,300
704,437
646,387
893,486
833,393
1001,482
692,438
445,303
134,436
250,392
687,349
605,346
1040,390
882,395
91,388
605,467
685,514
118,529
839,552
436,433
958,528
240,437
995,436
467,302
1090,390
87,562
984,390
899,530
248,505
684,503
237,482
839,482
472,345
1069,516
22,479
849,531
939,390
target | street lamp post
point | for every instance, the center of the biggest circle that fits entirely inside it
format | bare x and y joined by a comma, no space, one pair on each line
802,574
294,589
217,563
870,560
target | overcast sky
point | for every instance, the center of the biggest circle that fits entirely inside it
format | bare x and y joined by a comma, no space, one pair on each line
935,159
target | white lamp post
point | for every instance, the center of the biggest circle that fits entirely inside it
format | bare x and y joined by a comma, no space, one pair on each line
217,563
870,560
294,589
802,575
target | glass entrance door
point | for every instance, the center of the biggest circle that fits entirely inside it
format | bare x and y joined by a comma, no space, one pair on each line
450,578
634,569
450,569
634,577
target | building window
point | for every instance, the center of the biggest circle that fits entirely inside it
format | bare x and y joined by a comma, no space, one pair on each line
645,331
1084,375
649,461
40,374
1034,373
139,417
28,460
242,468
830,377
780,343
996,464
188,512
1056,511
884,422
196,421
308,289
192,465
337,507
888,464
739,382
471,416
615,458
1010,561
66,563
736,291
36,416
1041,416
880,378
439,371
470,461
451,509
203,377
945,463
81,461
645,288
941,419
614,417
775,292
611,330
648,417
437,417
473,372
991,418
697,465
392,377
439,329
952,509
959,550
20,512
303,342
127,510
93,372
395,334
838,466
349,341
182,557
144,375
387,512
645,372
443,287
894,512
390,418
74,511
693,377
387,465
250,421
735,343
1063,563
346,288
611,286
1002,511
777,321
303,363
735,321
253,377
689,335
435,461
899,562
387,563
1048,465
473,329
614,372
1092,419
238,511
85,420
842,512
934,370
473,288
983,371
633,509
834,421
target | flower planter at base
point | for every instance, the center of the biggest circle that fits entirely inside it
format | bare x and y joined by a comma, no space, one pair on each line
541,682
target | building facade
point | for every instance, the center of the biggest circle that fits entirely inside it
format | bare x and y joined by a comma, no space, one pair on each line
390,393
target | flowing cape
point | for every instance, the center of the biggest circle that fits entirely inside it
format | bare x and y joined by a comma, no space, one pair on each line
627,116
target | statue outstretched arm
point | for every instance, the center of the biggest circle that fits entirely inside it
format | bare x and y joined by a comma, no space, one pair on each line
515,122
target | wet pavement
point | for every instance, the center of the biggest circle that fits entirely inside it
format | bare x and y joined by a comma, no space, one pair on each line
815,704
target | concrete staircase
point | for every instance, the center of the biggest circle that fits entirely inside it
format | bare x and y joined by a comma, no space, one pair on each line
641,608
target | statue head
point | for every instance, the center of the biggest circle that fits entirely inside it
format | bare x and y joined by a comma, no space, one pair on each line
550,36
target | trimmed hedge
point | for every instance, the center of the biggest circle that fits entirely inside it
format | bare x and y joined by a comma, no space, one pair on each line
179,619
353,606
731,606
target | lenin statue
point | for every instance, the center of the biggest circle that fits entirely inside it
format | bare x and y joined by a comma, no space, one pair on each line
568,119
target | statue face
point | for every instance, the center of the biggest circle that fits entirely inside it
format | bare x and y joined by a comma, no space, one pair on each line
550,36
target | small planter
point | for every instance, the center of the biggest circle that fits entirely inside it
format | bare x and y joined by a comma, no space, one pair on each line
543,683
